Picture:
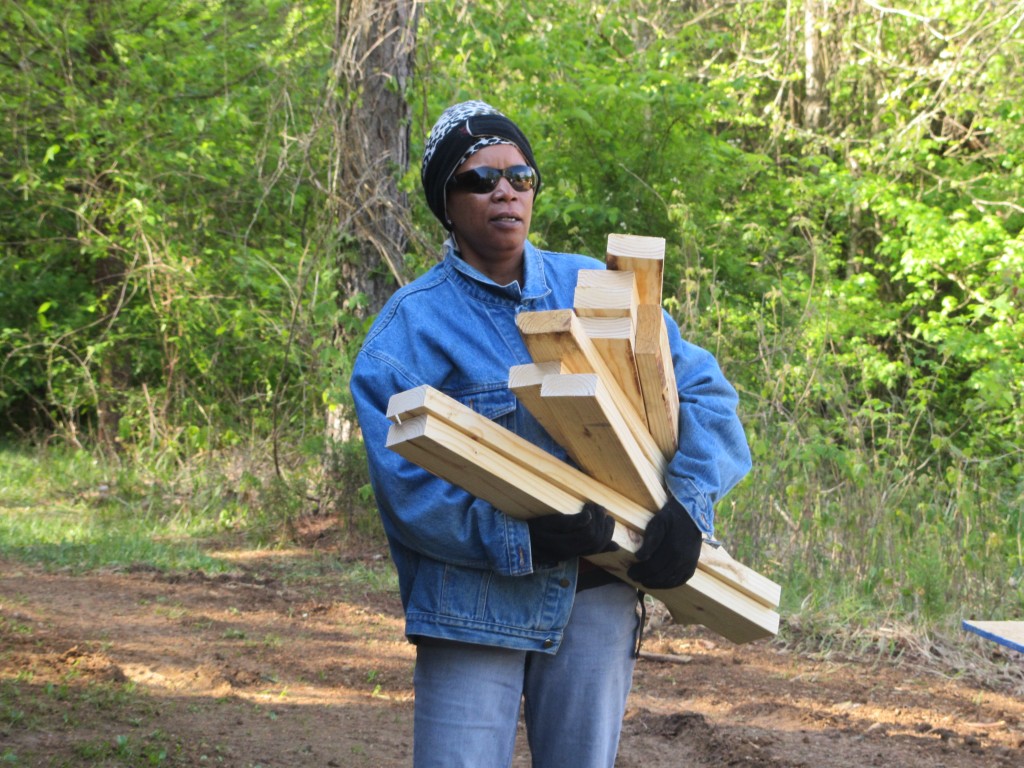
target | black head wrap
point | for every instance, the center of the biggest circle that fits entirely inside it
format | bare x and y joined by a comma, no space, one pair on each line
459,132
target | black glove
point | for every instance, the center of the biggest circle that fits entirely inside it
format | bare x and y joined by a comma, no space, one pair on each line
561,537
668,556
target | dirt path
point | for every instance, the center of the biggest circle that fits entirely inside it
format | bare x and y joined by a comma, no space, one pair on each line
250,670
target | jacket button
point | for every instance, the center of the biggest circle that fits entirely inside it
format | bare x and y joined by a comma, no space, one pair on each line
548,643
564,583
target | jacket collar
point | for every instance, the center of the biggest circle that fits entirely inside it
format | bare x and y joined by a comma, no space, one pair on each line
533,270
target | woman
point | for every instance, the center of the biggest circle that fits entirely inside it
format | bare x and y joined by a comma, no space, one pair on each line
503,611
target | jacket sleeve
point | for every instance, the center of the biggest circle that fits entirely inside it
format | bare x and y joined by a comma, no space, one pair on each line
713,454
419,510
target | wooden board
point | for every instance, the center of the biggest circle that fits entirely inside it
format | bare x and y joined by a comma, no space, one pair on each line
702,600
556,335
598,438
516,450
717,562
613,340
1006,633
430,443
656,374
605,293
645,257
525,381
438,448
513,449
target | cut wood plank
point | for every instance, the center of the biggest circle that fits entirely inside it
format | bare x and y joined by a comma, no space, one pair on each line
605,293
556,335
598,278
598,438
702,600
512,448
442,450
657,377
720,564
1006,633
524,381
720,605
613,340
645,257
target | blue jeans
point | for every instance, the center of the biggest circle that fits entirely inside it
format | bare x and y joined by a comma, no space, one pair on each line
468,696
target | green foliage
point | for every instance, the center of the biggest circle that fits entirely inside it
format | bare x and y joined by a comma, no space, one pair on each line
167,253
859,283
146,254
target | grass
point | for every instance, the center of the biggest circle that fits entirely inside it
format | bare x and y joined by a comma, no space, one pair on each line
858,538
67,509
83,536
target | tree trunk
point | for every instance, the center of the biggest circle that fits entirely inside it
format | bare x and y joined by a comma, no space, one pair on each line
373,62
815,111
109,270
114,375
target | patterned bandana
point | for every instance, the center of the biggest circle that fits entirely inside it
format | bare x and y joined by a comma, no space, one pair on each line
461,131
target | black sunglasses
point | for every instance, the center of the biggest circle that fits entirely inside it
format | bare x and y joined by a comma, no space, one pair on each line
484,179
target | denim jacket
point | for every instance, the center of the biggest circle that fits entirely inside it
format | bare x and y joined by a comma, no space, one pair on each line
464,568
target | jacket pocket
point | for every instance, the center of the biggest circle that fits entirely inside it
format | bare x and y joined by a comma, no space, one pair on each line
497,403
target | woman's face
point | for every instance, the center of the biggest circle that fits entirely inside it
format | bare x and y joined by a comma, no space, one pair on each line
491,228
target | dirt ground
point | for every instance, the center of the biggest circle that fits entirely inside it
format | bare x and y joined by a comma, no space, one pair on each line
260,668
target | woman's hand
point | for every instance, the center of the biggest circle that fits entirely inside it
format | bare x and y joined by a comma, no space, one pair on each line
668,556
561,537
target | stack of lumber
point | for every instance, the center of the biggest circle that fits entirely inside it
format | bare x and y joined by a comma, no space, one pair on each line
603,385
